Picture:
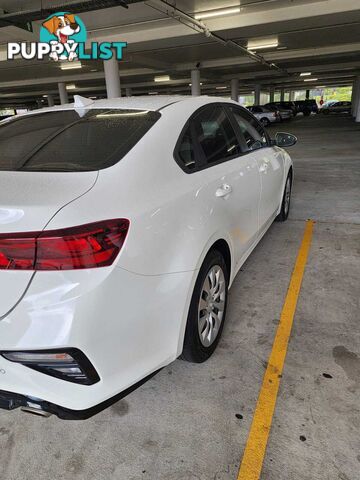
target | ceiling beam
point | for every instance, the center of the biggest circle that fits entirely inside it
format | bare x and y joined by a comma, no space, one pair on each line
261,15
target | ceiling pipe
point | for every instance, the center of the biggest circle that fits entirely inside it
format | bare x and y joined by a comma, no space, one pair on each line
201,27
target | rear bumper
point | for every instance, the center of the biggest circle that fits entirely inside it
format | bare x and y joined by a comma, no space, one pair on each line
12,401
127,325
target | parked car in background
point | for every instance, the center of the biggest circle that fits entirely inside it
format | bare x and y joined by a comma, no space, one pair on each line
306,107
285,105
338,107
282,113
264,115
328,103
123,225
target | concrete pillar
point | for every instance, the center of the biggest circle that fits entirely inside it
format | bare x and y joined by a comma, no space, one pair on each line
112,77
235,89
357,101
357,118
64,97
50,100
355,96
195,83
282,94
307,94
128,91
271,94
257,92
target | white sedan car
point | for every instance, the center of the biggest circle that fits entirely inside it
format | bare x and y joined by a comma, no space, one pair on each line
123,223
264,115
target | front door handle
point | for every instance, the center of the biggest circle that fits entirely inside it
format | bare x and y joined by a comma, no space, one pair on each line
223,191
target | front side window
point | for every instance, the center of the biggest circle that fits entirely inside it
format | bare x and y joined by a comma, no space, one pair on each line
65,141
253,133
215,135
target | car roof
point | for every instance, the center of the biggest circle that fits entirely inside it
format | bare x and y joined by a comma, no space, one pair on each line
146,102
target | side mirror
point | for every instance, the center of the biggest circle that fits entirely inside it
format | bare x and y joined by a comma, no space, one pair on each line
283,139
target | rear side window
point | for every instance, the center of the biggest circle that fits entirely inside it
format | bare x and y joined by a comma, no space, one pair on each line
215,135
186,150
253,133
64,141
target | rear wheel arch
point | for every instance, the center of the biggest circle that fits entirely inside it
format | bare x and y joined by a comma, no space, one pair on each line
222,246
217,244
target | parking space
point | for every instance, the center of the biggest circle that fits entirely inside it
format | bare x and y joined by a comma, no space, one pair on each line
191,422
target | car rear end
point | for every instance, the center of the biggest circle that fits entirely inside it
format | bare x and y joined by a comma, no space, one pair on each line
70,313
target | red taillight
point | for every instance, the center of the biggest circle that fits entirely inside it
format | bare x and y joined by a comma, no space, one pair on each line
87,246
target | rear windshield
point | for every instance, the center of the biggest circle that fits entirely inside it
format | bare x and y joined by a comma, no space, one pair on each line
66,141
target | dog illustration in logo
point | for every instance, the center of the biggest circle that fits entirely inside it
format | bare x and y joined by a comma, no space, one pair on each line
62,26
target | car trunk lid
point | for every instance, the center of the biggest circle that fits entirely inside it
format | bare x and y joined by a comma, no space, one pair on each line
28,201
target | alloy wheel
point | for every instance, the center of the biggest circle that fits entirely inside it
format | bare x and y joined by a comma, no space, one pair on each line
287,196
211,305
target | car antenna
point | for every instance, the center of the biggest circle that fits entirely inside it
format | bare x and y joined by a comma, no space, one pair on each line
81,104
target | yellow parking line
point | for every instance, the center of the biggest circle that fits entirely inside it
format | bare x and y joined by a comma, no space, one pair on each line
253,458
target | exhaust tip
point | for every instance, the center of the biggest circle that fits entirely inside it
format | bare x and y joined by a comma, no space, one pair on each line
36,410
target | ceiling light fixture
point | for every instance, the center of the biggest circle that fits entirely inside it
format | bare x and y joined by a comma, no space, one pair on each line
190,84
305,74
216,13
261,43
263,46
310,79
71,86
70,65
162,78
153,93
221,88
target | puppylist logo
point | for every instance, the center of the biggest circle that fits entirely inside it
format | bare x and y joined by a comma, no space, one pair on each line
62,37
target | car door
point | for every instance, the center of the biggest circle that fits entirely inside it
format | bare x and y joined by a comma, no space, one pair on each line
269,162
227,182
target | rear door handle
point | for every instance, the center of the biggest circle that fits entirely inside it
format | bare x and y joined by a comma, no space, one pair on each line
224,190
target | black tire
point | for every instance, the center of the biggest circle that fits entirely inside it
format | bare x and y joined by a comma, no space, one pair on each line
265,122
325,112
307,113
194,349
285,204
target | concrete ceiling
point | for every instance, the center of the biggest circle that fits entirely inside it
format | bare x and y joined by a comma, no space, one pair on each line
320,36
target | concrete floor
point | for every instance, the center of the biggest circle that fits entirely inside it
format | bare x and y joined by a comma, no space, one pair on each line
182,425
